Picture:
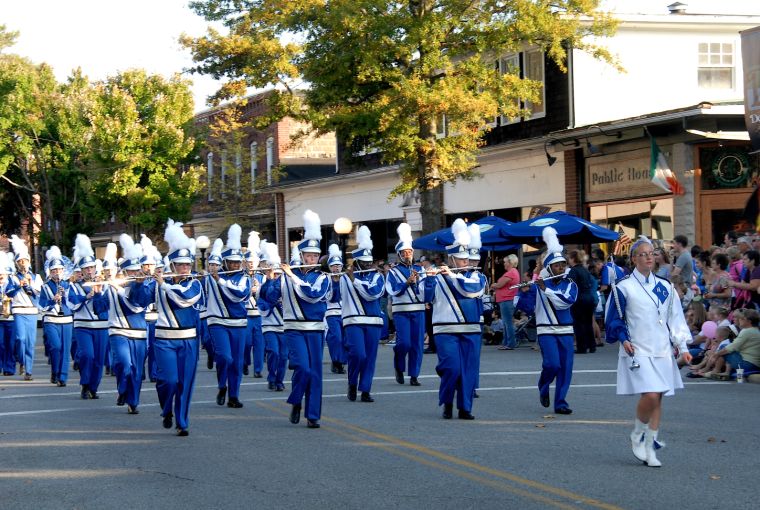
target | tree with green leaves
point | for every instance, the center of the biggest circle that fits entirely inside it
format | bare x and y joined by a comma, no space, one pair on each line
384,72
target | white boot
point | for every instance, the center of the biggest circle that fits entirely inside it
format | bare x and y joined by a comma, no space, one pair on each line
651,457
637,440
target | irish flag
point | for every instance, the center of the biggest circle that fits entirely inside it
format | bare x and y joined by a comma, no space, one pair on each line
661,174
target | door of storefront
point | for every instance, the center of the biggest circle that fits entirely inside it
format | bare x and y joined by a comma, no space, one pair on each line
717,213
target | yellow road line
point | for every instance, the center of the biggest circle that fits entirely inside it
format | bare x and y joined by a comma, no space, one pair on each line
391,445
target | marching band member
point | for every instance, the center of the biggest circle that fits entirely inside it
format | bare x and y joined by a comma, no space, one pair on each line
272,325
57,319
304,292
554,324
362,321
474,261
642,316
127,330
7,342
254,338
407,295
456,325
90,306
227,321
24,308
176,345
333,319
110,269
213,264
150,262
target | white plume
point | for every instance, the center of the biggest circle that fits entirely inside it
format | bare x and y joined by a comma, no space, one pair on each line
98,266
404,231
311,225
460,232
53,253
129,249
551,240
271,253
83,247
217,247
254,242
19,247
333,251
110,255
176,238
11,261
149,249
4,258
475,241
364,238
233,237
295,256
263,248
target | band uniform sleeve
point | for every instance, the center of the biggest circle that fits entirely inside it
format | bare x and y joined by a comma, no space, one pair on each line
394,285
313,292
271,291
184,296
468,286
335,297
76,297
46,299
614,325
236,292
371,289
680,334
430,284
563,295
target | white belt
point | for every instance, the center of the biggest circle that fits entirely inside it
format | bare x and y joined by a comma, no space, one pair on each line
136,334
304,325
90,324
24,310
331,312
6,319
175,333
254,313
554,330
230,323
456,328
407,307
151,316
272,329
362,320
57,319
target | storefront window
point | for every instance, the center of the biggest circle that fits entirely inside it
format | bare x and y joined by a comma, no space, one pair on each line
653,218
725,167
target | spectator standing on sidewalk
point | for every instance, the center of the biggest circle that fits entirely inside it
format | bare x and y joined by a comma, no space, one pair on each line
505,299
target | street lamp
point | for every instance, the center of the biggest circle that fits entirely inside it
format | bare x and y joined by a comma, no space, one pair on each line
343,227
202,243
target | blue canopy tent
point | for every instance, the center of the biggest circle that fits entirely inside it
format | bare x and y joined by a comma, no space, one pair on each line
570,230
491,228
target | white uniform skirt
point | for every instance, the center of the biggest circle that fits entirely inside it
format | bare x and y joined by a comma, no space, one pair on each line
656,375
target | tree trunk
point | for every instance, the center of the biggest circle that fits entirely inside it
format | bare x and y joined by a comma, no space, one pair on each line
431,210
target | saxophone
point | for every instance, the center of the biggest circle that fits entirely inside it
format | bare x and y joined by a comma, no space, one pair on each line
6,304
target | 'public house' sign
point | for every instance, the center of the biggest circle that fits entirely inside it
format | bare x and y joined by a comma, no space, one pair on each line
616,177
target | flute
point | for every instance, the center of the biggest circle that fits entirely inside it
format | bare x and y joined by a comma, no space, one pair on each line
354,272
526,284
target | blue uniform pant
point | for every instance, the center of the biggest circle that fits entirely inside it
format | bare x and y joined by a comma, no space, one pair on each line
176,362
25,332
7,342
59,344
557,353
362,344
305,359
229,344
93,345
334,338
277,357
128,363
151,350
410,339
457,367
254,340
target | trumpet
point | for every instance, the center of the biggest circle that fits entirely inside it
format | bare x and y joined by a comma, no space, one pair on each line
527,284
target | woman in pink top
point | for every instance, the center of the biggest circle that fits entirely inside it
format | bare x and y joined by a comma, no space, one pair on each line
505,298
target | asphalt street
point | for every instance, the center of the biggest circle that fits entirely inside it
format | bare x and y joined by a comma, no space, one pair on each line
61,452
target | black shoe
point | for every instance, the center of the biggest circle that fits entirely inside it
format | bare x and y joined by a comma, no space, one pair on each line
295,414
221,396
592,350
280,387
210,363
271,386
167,421
577,351
143,377
399,376
132,410
339,368
182,432
429,351
465,415
121,399
153,379
93,395
312,424
60,384
334,368
234,403
53,379
563,410
76,366
414,382
351,393
475,394
257,375
545,400
245,370
448,411
85,393
7,373
108,370
366,397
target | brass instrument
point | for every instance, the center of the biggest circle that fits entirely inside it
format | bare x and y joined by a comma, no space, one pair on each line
6,303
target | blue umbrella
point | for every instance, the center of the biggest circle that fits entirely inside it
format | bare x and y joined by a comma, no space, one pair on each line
490,234
570,230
